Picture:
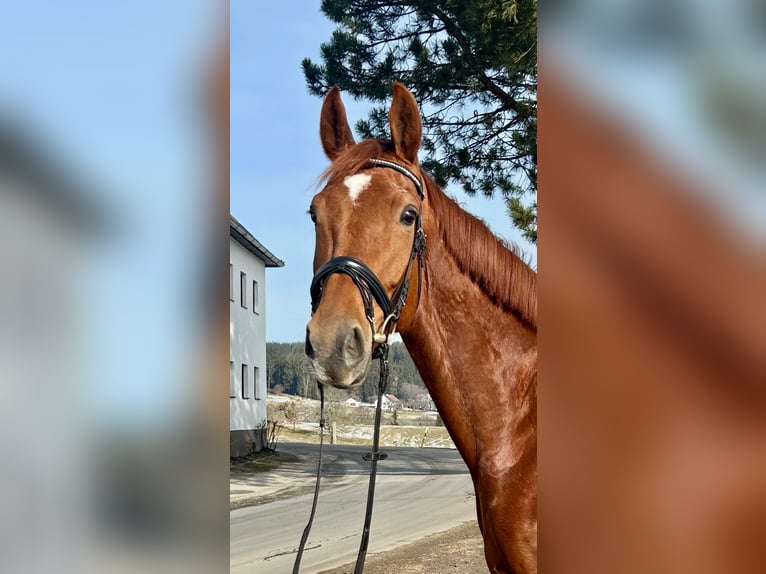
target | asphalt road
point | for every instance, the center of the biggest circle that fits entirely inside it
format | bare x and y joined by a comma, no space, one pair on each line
419,492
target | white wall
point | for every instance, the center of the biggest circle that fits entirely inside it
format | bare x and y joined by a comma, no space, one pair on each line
248,340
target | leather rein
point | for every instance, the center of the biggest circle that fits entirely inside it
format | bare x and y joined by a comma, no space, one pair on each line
371,289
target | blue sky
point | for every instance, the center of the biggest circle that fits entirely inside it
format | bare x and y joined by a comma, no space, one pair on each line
275,151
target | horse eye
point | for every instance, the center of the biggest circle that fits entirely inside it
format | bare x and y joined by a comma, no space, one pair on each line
313,215
409,216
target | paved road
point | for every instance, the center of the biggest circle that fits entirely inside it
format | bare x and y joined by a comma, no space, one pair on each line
419,492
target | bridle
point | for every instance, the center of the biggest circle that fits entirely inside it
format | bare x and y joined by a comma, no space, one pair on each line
371,289
365,279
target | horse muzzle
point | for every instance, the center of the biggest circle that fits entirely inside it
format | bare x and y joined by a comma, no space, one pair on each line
340,354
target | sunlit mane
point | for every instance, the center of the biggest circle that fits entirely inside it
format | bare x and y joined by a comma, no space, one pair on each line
487,260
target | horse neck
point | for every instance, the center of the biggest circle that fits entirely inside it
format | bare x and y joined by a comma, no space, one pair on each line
475,358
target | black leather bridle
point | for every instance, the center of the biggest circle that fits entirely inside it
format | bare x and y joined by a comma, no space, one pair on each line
365,279
370,289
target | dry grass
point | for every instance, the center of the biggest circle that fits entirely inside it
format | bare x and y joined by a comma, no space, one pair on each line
390,435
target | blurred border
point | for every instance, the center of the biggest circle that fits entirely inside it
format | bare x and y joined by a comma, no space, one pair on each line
114,217
652,281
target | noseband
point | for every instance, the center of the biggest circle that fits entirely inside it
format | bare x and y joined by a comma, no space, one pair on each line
370,289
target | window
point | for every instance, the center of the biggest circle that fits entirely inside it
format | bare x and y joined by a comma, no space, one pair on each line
243,289
245,386
256,386
255,296
231,282
232,381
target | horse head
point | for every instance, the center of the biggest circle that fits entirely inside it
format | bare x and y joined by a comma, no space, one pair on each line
368,234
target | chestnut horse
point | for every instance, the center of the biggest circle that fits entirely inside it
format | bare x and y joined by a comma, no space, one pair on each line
469,319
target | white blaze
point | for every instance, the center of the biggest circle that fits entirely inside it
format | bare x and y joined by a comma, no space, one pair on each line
356,184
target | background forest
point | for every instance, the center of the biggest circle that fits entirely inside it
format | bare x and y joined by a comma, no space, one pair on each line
288,371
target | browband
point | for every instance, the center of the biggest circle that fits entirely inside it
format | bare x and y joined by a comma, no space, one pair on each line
404,171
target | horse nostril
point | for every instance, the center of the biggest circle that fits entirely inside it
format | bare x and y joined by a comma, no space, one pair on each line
308,348
353,345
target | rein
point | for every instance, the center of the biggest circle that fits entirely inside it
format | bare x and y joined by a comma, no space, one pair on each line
370,288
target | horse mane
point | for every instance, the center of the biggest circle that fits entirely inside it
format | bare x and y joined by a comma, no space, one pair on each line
489,261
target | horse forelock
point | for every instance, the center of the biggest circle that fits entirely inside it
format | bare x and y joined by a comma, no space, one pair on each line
354,158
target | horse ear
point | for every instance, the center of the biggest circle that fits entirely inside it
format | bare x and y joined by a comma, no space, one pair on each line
406,127
333,126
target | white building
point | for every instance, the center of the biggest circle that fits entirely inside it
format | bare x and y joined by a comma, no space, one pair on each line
248,260
390,402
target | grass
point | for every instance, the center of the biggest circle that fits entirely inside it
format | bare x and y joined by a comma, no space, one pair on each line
390,435
263,461
354,424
